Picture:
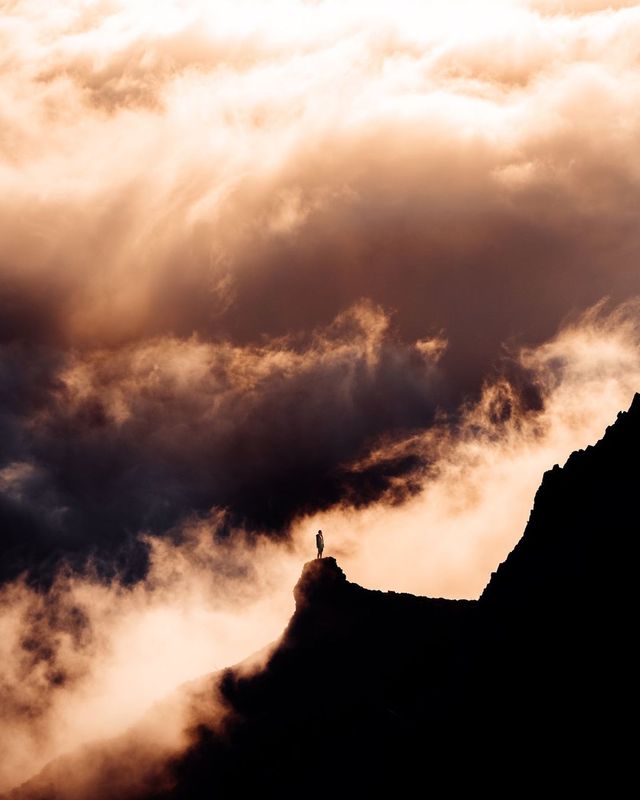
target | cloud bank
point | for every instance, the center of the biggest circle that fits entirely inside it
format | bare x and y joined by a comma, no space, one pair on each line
202,201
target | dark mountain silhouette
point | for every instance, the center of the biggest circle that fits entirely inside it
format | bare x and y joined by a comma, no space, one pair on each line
529,688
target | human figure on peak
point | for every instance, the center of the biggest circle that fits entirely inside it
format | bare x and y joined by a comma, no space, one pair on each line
319,543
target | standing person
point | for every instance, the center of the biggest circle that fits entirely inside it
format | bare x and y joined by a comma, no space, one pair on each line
319,543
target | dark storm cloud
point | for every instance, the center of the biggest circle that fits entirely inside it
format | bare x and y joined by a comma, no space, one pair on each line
138,438
227,247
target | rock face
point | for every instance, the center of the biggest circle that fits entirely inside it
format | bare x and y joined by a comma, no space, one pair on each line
526,688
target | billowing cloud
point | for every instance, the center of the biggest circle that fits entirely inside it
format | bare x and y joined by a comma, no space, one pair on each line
219,187
267,266
478,489
138,437
86,659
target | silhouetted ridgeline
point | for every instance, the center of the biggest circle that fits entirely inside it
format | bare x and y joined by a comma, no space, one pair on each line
528,687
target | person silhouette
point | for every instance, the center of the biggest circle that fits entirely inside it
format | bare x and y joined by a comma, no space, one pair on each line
319,543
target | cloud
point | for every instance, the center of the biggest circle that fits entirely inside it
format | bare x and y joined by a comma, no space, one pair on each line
86,659
478,478
169,218
208,186
139,437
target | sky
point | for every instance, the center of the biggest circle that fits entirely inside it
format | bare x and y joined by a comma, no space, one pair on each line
269,266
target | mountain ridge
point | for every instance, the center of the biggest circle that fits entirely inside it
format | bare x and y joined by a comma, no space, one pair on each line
391,688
